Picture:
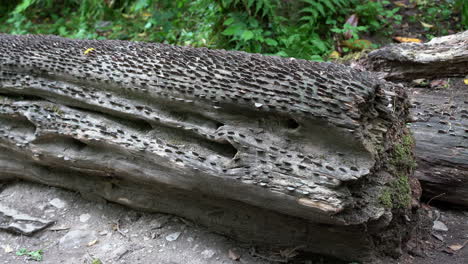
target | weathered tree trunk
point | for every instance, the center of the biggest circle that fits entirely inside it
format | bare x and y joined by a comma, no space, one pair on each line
441,116
268,150
443,56
441,132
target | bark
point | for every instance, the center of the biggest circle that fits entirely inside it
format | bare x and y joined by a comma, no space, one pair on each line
441,132
268,150
443,56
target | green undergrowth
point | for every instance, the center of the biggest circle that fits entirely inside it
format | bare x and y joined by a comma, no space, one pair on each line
306,29
397,193
403,158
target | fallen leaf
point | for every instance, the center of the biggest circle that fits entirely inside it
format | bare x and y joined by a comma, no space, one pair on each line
438,83
421,82
400,4
456,247
334,55
92,243
7,248
88,51
407,40
465,81
426,25
357,44
233,255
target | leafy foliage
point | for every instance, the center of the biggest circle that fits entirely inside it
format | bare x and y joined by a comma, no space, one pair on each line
462,6
308,29
34,255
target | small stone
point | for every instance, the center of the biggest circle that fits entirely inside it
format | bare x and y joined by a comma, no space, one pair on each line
233,254
190,239
436,214
439,226
159,222
119,252
173,236
84,218
57,203
21,223
208,253
439,237
76,238
92,243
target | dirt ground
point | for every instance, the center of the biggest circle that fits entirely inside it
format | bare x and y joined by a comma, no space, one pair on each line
86,231
444,247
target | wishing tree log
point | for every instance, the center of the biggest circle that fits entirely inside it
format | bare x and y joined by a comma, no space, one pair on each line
268,150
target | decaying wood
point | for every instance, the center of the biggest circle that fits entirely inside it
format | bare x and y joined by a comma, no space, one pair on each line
441,116
440,128
268,150
443,56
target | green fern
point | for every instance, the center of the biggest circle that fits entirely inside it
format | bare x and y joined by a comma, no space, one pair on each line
317,10
25,4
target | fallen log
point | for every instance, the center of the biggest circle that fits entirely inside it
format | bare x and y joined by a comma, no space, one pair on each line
441,116
443,56
440,128
267,150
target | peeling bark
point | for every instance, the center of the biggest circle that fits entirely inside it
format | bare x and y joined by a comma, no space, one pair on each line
268,150
441,57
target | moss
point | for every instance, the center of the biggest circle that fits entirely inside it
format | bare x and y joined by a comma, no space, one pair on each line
402,157
397,193
385,198
401,191
57,110
54,109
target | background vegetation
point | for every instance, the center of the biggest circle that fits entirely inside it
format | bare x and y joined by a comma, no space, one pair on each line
308,29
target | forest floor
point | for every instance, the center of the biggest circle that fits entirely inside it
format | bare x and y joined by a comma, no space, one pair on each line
86,231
